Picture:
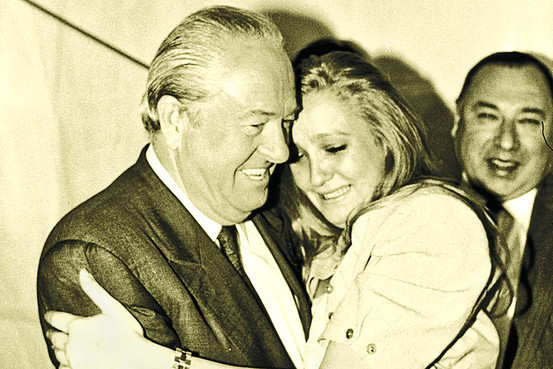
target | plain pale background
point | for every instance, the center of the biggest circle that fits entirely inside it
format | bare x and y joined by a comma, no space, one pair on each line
68,106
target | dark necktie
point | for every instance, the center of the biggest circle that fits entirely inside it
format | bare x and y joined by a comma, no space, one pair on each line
509,229
229,245
518,263
518,267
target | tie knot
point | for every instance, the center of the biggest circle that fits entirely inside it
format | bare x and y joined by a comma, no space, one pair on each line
505,220
495,206
227,235
229,245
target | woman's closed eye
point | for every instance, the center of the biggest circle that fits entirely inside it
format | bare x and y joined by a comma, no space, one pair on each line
335,149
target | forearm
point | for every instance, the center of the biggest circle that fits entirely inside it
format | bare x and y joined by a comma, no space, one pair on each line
105,338
154,356
59,288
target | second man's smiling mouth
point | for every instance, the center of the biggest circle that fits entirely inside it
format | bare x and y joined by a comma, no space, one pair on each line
503,167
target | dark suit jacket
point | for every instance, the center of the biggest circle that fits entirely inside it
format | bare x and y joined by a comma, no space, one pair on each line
534,327
145,248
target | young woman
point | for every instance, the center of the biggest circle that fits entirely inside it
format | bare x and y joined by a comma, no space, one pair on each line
401,267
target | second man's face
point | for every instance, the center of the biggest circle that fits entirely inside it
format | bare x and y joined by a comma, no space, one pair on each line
226,161
499,138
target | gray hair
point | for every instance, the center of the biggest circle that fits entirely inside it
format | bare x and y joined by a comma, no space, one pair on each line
181,64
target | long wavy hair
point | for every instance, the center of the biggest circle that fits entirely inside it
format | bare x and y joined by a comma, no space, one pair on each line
389,118
409,162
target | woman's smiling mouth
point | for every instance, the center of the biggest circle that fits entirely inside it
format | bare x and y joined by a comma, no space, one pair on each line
337,193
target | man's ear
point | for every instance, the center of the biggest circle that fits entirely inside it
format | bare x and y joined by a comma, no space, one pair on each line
173,120
456,119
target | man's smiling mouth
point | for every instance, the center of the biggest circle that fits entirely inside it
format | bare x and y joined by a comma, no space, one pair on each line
503,167
256,174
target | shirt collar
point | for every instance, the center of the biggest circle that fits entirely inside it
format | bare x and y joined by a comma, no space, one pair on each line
211,227
520,208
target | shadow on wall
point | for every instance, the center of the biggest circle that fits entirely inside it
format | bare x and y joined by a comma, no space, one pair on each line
308,36
298,30
428,105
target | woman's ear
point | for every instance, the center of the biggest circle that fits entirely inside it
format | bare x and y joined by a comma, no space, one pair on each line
173,120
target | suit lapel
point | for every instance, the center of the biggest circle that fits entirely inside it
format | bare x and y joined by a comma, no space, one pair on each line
531,325
227,303
228,306
267,231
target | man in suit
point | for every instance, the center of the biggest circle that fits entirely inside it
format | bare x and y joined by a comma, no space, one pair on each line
503,138
219,93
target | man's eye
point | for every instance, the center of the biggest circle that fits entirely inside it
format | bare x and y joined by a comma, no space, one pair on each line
487,116
254,129
530,121
335,149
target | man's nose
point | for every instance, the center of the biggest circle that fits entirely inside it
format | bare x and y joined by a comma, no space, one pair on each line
506,136
274,147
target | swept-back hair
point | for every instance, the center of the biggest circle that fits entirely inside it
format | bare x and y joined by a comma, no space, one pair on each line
182,63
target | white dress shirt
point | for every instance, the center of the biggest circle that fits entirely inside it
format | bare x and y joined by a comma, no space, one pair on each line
520,209
259,265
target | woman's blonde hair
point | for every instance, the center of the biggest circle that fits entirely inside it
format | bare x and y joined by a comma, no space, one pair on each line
397,129
409,165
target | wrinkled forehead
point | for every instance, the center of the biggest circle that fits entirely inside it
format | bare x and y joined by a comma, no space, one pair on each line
258,73
526,76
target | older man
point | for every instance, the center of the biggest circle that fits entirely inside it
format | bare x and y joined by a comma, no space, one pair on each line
503,139
177,238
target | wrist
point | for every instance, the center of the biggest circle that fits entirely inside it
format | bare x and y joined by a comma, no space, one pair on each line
182,359
154,356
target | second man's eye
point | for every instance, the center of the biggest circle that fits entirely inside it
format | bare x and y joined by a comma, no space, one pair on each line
531,121
487,116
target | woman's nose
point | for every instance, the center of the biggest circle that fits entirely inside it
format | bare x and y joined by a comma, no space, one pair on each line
320,172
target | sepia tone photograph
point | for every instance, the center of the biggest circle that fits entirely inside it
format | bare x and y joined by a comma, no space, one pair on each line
293,184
